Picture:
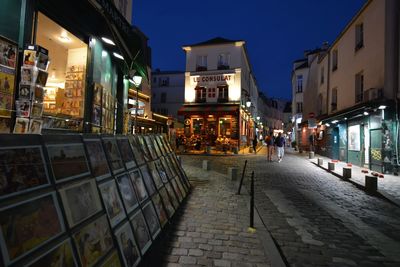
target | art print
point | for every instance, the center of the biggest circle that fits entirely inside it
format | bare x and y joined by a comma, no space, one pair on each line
144,147
112,202
96,116
161,171
29,57
5,105
37,110
21,125
42,61
112,260
162,215
161,144
97,158
24,91
80,201
38,93
172,195
61,256
8,53
5,125
41,78
181,187
26,75
151,219
21,169
68,161
136,151
177,190
140,231
354,137
150,147
23,108
97,92
167,168
139,186
127,193
29,225
155,145
167,202
127,245
93,242
111,148
154,173
147,180
35,126
126,153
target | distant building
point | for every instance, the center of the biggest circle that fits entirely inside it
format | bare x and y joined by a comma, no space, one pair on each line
220,92
168,92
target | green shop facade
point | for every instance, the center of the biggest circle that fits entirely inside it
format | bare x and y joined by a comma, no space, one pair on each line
81,54
365,135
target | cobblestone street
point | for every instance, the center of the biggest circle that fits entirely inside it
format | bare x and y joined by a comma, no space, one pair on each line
315,218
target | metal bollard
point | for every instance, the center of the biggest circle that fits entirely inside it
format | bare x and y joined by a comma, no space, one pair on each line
311,155
320,162
206,165
252,201
241,180
331,166
346,173
371,184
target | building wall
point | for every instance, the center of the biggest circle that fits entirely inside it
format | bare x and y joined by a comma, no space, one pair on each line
322,108
174,90
369,59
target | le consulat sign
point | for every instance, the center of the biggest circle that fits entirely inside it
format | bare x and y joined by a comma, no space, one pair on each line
228,78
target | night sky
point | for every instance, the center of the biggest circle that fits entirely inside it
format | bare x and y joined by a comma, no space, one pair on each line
276,31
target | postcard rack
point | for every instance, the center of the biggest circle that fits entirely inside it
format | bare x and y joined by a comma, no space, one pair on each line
85,200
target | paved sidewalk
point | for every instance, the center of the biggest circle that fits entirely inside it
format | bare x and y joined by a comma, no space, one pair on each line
213,226
388,186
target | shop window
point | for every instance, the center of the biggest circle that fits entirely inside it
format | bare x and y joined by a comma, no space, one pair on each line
65,88
223,93
225,127
197,125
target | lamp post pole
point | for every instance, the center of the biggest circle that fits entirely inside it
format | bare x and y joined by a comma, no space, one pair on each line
136,108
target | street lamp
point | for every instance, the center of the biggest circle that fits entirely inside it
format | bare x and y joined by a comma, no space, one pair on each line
248,103
136,80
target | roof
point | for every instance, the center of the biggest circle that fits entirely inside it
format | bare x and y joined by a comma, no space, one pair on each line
215,41
302,66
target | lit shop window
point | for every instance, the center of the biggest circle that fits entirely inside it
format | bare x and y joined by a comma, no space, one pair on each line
65,87
225,127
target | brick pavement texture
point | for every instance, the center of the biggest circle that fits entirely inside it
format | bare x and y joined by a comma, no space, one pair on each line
212,226
316,218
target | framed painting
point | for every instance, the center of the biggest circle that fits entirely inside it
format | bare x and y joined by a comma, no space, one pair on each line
29,225
155,145
161,171
143,146
113,155
151,219
167,168
67,161
172,195
97,158
154,173
35,126
60,255
150,147
148,181
141,231
127,245
162,215
167,202
177,190
9,53
21,169
138,185
112,261
80,201
93,241
127,192
112,202
136,150
126,152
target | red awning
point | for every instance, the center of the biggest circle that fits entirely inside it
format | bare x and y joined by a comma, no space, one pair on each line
209,110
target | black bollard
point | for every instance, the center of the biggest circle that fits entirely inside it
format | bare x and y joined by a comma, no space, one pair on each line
241,180
252,201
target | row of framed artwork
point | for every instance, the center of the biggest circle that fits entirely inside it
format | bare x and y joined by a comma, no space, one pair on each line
120,195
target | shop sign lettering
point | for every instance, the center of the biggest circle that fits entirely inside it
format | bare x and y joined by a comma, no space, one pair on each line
213,78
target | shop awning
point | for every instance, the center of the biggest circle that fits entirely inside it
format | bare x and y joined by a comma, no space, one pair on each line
209,110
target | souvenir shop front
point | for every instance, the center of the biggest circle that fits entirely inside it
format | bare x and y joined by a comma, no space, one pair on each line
71,73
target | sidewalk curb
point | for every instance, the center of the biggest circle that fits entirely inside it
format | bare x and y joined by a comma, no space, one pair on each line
274,254
379,193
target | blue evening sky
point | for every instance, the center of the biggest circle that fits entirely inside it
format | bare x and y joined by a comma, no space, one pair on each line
276,31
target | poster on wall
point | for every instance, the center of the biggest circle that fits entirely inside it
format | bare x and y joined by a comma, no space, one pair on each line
354,137
28,225
8,55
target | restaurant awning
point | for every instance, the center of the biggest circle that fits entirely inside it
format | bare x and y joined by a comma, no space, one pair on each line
209,110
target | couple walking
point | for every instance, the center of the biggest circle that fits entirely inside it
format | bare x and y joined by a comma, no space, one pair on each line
275,143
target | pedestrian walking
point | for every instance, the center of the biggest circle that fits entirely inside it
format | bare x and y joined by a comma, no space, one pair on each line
255,145
269,140
280,144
